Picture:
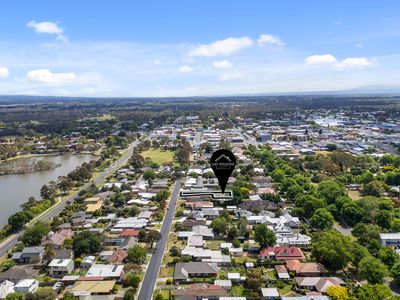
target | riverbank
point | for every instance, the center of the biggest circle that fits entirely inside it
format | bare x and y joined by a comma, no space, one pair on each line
26,165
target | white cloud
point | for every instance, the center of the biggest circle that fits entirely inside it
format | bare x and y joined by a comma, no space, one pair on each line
359,45
185,69
45,76
4,73
230,76
354,62
269,40
222,47
222,64
48,28
320,59
330,60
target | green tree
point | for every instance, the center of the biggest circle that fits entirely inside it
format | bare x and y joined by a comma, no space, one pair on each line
395,271
374,188
15,296
130,294
372,269
322,219
264,236
357,252
45,293
86,242
337,293
332,249
149,174
374,292
330,191
219,226
33,235
18,220
152,236
388,256
137,254
131,280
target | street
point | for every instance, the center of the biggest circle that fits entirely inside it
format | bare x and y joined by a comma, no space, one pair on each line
153,268
11,241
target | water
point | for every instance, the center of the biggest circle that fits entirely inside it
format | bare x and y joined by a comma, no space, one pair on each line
16,189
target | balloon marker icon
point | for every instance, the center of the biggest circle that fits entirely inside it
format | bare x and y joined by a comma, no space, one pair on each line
223,163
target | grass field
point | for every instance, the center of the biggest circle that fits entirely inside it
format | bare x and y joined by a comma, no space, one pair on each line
159,156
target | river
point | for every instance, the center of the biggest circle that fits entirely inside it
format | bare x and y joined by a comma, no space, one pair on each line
16,189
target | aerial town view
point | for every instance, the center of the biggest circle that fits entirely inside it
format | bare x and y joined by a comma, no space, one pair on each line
200,150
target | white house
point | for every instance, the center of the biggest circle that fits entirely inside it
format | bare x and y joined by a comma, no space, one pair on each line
60,267
6,287
270,293
390,239
106,271
26,286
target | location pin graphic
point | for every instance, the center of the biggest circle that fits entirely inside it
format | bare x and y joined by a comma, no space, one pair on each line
223,163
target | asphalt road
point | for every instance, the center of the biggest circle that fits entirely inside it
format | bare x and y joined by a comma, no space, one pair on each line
9,243
149,281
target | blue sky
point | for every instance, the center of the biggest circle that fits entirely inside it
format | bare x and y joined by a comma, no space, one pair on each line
180,48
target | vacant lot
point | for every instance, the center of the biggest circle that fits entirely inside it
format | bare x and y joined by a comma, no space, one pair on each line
159,156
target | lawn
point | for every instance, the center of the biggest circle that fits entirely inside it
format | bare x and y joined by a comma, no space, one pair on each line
237,291
159,156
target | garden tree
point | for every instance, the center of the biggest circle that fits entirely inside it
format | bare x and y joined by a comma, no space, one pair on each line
44,293
343,159
149,174
232,232
224,144
254,279
357,252
264,236
330,191
136,160
183,153
236,243
309,203
242,227
352,213
159,297
136,255
48,252
332,249
16,296
368,236
388,256
33,235
118,199
219,226
19,219
86,242
65,183
375,292
131,280
175,251
152,236
337,293
372,269
142,235
130,294
384,219
395,271
374,188
47,192
6,264
366,177
162,196
278,175
322,219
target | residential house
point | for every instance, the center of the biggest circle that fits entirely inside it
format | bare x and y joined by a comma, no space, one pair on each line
88,261
307,269
200,291
282,253
282,272
106,272
29,255
59,267
270,294
6,287
57,239
93,204
92,287
225,284
319,284
18,273
185,271
26,286
390,239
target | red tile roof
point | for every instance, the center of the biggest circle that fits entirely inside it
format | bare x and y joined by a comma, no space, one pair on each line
283,253
129,232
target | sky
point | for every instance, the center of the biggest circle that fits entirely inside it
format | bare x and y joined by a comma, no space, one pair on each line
193,48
